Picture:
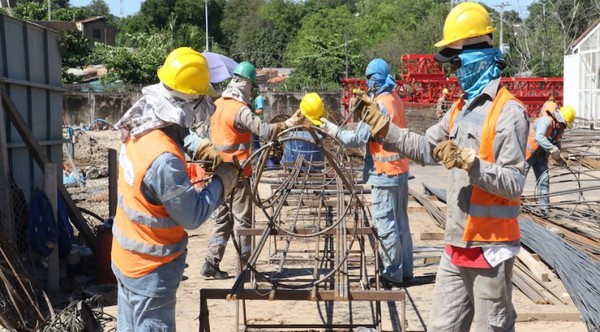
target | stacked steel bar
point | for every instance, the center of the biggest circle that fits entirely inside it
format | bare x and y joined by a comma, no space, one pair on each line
579,273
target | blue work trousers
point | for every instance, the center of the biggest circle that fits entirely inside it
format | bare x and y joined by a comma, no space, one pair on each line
391,220
542,179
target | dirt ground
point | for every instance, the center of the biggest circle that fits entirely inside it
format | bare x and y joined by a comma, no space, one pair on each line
532,317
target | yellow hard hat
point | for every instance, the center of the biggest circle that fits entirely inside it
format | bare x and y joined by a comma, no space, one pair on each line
312,107
186,70
568,113
445,91
466,20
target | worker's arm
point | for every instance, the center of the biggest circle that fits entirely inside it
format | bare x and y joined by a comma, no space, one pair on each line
415,146
541,127
505,177
167,183
354,138
246,121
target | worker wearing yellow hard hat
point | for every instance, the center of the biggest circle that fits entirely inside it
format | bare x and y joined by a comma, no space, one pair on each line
157,201
482,141
544,140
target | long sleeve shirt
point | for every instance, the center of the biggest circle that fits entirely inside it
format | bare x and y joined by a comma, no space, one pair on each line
359,138
504,177
541,126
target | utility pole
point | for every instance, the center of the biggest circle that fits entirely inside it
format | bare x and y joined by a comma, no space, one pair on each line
206,23
49,10
501,6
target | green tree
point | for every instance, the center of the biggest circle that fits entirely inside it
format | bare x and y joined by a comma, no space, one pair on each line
132,66
325,50
98,8
31,11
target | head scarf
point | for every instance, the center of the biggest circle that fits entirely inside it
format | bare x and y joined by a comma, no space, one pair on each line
378,77
478,68
159,107
239,89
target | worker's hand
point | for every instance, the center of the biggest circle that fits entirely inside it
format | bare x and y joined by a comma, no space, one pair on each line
329,127
378,121
207,151
277,128
356,97
228,174
454,156
296,119
555,153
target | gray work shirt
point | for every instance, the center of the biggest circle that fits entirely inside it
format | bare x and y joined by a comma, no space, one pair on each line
505,177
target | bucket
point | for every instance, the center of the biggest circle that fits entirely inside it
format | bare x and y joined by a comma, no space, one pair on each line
295,148
104,273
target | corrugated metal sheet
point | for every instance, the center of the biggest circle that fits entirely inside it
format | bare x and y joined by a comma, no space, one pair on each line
30,73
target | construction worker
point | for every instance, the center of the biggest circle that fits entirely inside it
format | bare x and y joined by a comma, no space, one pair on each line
387,173
482,141
443,104
258,107
545,134
231,129
549,106
157,202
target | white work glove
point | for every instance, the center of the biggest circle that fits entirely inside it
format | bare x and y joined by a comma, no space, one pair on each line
206,151
228,174
295,120
555,153
329,127
452,155
557,156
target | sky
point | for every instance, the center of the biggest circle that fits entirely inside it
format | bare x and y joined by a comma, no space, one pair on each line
131,7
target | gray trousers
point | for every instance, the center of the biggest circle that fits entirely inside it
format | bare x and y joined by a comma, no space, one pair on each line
467,295
224,226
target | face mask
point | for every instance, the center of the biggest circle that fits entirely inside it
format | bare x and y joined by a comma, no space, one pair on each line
478,68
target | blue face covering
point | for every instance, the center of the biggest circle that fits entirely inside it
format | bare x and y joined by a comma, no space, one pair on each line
378,77
479,67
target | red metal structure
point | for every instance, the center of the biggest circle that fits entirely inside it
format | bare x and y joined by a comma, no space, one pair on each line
423,79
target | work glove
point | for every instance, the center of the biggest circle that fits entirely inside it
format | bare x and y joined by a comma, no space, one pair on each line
378,121
329,127
228,174
207,151
454,156
295,120
555,153
356,97
277,128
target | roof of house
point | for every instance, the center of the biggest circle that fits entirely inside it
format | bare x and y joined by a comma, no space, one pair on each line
586,33
92,19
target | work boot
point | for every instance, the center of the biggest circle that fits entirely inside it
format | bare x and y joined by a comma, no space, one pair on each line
210,270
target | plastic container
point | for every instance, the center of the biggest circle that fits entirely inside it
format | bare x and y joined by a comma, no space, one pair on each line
296,148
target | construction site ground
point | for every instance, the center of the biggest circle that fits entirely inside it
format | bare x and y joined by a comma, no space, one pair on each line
531,316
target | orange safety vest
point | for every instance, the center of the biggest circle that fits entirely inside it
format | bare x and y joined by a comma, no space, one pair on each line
390,163
225,137
144,236
491,218
552,133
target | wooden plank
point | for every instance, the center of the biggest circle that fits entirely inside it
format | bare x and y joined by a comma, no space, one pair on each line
539,271
549,316
41,159
431,236
6,203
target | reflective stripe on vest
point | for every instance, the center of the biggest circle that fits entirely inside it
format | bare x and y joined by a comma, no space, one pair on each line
491,218
390,163
532,144
144,236
223,135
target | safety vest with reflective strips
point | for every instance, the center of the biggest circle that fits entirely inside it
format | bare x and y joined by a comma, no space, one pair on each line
144,236
387,162
553,134
491,218
223,135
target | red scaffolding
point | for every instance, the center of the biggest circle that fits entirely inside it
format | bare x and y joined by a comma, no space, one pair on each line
423,79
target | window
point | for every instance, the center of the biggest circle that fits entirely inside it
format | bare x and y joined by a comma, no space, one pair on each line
96,34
